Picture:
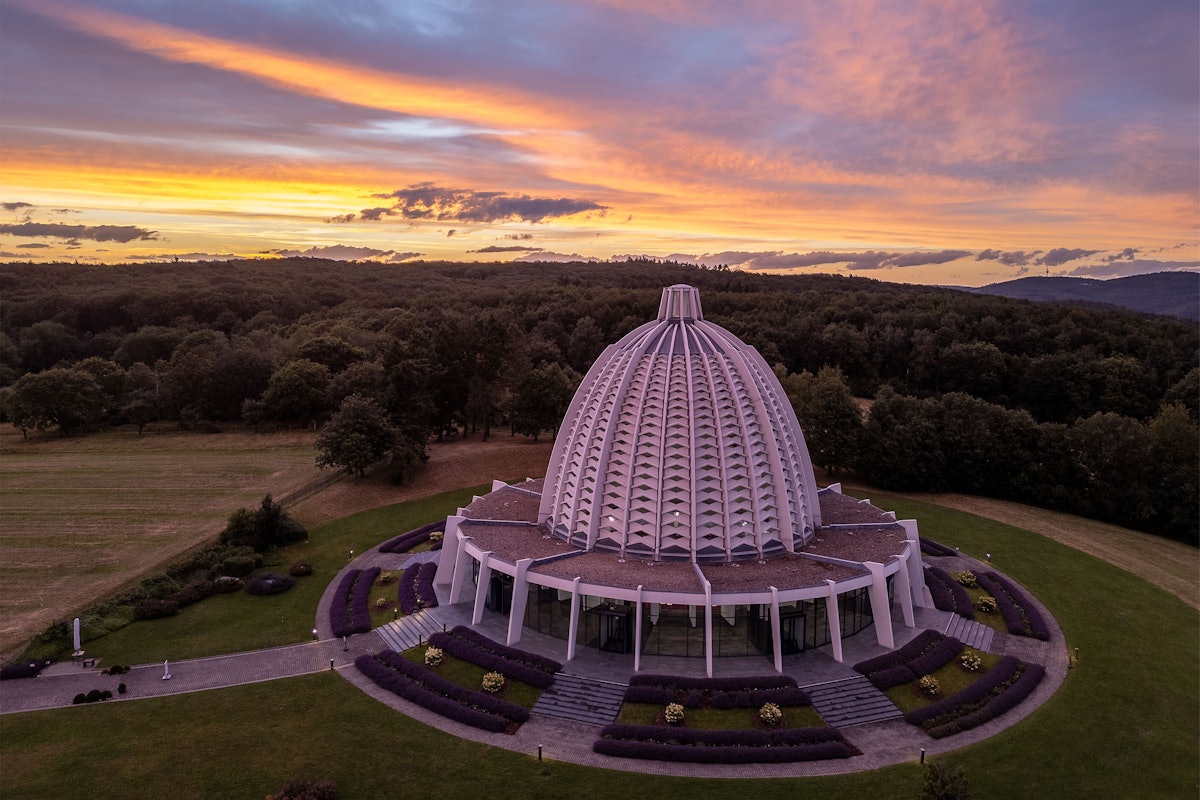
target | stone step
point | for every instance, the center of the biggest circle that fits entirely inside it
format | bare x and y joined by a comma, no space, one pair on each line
971,633
581,699
854,701
409,631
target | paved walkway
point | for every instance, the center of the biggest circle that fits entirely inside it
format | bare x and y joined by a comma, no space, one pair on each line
882,743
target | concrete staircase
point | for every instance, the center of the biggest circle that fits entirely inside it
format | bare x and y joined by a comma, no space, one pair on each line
969,632
581,699
853,701
408,632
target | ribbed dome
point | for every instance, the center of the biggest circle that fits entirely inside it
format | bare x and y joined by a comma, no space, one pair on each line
681,445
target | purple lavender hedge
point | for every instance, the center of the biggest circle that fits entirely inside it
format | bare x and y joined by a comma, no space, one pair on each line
509,668
349,612
407,541
446,698
416,587
539,662
926,653
1020,614
1003,688
24,669
714,684
931,548
666,743
948,594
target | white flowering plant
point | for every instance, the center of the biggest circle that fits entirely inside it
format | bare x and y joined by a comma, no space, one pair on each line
492,682
986,603
433,656
970,661
673,713
770,714
929,686
966,577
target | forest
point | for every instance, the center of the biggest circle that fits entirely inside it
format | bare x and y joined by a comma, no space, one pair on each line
1082,409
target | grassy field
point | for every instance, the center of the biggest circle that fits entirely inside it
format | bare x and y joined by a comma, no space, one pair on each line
82,517
1124,724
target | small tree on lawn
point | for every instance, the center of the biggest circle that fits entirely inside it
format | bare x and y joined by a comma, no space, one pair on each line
356,437
944,783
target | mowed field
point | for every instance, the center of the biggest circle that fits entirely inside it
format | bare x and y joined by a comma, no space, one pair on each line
82,517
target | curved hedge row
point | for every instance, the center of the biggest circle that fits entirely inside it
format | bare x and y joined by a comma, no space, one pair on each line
416,587
714,684
540,662
431,691
1000,690
1019,612
665,743
349,612
407,541
784,696
460,648
948,594
931,548
927,653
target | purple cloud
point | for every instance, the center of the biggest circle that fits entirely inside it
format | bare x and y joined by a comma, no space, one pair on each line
1009,258
428,201
1110,269
98,233
1061,255
513,248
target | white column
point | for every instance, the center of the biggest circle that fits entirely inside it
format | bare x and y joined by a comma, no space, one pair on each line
916,564
462,568
481,589
834,618
776,632
879,605
449,552
904,592
573,636
520,599
708,639
637,633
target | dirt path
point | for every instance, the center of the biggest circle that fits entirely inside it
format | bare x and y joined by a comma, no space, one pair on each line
1170,565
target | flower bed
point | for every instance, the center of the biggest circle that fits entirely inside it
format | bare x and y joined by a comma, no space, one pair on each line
349,612
429,690
669,743
416,588
948,594
928,652
931,548
1020,615
999,690
495,658
407,541
539,662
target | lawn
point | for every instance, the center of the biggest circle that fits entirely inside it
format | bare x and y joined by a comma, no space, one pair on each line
1124,724
235,622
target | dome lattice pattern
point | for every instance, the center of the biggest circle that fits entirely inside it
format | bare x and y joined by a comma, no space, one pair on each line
680,444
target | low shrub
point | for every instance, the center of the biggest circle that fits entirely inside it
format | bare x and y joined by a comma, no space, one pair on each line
774,745
269,583
970,661
410,539
770,714
673,714
929,686
94,696
948,594
300,569
931,548
965,578
512,654
151,608
115,669
1020,614
986,604
306,790
433,656
492,661
227,584
23,669
492,682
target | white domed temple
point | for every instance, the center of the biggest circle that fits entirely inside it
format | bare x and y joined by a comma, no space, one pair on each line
680,516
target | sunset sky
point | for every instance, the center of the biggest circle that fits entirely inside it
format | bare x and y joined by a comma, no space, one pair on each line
943,142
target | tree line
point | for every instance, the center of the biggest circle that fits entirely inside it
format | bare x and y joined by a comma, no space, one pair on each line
402,354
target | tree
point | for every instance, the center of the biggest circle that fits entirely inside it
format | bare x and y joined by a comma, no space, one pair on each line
541,398
1175,443
297,391
829,417
357,436
944,783
67,398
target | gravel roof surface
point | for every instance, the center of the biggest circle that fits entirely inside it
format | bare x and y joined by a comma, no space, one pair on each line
507,503
866,543
782,572
841,509
607,569
513,542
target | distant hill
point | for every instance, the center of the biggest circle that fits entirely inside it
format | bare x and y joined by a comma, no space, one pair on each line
1172,294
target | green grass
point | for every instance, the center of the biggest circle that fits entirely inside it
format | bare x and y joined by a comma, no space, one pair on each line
235,622
1124,724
